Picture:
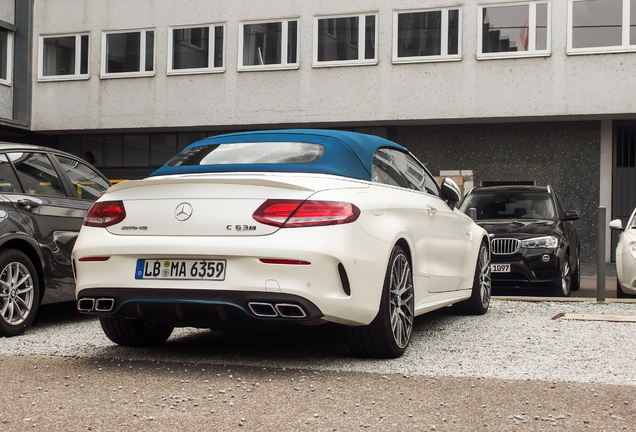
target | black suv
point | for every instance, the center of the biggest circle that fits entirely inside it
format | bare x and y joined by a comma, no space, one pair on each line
533,239
44,196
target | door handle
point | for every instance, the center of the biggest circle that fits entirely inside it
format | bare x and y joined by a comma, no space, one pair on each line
431,210
28,204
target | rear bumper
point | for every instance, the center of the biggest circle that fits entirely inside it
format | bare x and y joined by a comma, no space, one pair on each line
343,282
198,308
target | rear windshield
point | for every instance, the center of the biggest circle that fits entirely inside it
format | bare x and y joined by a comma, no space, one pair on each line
249,153
506,205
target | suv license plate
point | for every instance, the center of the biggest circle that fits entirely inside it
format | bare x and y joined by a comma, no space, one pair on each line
500,268
180,269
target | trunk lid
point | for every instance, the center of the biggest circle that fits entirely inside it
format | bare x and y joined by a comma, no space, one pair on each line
209,205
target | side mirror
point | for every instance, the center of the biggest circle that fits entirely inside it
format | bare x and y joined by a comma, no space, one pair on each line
571,215
451,192
616,224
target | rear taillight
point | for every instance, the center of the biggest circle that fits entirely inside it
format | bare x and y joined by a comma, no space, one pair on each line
105,213
298,213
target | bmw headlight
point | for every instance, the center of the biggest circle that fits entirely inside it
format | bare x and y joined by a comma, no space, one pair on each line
542,242
632,249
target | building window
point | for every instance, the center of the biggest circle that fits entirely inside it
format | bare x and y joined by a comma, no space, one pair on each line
193,50
268,45
600,26
514,30
345,40
426,35
63,57
625,146
6,56
128,53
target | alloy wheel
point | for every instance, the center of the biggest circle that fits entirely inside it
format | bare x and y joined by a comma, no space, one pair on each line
485,281
566,278
16,293
401,300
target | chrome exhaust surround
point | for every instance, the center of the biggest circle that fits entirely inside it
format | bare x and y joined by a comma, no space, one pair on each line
263,309
104,304
287,310
85,304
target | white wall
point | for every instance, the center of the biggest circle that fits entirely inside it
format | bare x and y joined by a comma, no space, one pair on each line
558,85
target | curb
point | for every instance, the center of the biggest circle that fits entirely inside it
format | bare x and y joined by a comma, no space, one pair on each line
562,299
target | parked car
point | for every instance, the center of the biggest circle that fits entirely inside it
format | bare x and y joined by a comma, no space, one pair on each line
534,241
625,257
291,226
44,196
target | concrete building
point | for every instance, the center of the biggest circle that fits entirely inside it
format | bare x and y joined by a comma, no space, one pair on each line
490,91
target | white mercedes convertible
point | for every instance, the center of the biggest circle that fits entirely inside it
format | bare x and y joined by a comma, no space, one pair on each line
287,226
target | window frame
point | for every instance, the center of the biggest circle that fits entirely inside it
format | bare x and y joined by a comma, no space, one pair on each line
211,49
532,31
55,173
143,34
78,187
443,56
283,65
78,60
386,155
360,61
9,60
625,28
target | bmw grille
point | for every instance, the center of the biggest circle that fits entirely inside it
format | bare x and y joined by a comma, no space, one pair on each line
505,246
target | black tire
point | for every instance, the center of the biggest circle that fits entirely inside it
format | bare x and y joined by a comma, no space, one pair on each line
479,300
563,284
19,292
134,332
576,274
389,333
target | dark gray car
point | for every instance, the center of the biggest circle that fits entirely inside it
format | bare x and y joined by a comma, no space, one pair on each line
44,196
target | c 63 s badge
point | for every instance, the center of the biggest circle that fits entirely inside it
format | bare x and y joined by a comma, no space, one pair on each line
241,227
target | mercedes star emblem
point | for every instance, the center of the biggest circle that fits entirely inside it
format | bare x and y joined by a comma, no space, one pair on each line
183,211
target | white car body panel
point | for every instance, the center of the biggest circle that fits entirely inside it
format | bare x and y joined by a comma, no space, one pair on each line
625,262
443,243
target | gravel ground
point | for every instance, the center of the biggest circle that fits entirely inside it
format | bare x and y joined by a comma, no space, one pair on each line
513,369
514,340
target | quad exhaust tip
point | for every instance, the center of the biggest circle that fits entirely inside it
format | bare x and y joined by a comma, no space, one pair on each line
263,309
95,305
86,304
273,310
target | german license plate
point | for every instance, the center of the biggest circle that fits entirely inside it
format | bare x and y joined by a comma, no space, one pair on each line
180,269
500,268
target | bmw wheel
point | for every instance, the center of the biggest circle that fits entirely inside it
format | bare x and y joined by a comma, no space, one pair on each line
134,332
479,301
19,292
389,333
563,284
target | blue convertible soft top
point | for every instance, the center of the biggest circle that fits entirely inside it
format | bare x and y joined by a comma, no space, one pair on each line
347,154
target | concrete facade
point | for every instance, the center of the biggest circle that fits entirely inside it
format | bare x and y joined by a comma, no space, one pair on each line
470,90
